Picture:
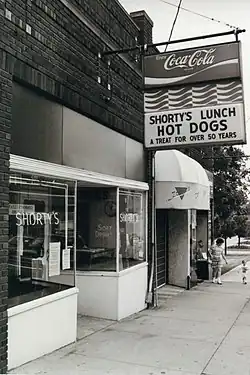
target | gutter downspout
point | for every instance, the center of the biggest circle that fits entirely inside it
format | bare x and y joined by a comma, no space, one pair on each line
152,297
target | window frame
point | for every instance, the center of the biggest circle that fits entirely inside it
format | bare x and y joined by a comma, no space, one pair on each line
24,165
144,196
21,179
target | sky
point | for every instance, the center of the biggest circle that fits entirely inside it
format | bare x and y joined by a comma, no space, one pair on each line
235,13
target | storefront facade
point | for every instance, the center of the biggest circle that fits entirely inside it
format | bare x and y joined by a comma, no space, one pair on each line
42,217
60,108
73,234
77,225
182,206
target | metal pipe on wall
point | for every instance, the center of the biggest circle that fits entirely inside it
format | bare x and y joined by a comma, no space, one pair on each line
155,232
118,230
150,293
75,229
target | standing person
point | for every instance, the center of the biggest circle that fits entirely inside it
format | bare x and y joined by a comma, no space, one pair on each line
200,249
217,255
244,270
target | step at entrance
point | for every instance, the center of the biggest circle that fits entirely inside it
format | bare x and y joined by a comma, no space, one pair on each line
168,291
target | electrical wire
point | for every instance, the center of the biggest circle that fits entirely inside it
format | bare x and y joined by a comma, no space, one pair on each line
200,15
172,29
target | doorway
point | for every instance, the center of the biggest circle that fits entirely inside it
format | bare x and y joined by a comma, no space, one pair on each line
162,247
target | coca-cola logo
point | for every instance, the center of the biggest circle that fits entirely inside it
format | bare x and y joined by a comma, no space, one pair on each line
202,57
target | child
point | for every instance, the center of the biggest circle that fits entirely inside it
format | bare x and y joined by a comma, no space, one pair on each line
244,270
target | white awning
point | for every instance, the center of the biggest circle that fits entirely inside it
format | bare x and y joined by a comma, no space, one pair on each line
181,182
38,167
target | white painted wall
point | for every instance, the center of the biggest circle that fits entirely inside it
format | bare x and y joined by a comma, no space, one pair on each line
112,296
70,136
41,326
132,288
179,247
124,159
98,295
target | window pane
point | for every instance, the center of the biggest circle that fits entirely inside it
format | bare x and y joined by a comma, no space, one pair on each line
40,229
132,229
96,234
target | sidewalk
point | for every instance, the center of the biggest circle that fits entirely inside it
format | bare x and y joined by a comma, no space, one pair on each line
205,331
235,276
234,260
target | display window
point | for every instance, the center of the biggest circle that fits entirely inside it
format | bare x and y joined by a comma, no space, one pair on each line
42,237
97,226
60,228
132,233
112,224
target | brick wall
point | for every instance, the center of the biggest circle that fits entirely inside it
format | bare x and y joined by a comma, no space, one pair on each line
5,122
109,16
5,125
145,25
54,49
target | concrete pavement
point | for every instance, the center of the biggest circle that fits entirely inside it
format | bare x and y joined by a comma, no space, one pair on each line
234,261
235,274
205,331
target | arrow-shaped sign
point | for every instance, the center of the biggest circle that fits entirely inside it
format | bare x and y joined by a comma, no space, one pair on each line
181,191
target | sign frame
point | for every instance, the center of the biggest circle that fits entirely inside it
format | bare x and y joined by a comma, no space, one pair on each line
222,142
177,146
146,88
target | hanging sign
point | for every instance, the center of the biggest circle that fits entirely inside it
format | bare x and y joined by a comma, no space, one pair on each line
54,258
193,65
194,97
200,125
66,259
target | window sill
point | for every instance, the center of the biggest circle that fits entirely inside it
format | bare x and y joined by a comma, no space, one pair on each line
19,309
112,274
133,269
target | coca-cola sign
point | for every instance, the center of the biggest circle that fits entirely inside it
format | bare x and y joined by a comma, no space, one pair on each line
193,65
202,57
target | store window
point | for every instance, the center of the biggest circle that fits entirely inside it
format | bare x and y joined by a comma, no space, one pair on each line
132,234
97,226
42,237
113,234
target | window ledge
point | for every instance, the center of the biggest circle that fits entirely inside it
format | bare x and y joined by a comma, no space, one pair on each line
16,310
96,273
132,269
112,274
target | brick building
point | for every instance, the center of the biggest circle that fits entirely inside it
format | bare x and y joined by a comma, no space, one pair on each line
73,170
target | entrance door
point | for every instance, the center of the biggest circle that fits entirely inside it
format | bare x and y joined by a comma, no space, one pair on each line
162,247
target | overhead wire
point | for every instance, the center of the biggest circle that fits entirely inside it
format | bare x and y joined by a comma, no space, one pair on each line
199,14
172,29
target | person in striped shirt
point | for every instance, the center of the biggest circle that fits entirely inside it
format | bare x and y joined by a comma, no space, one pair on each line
217,256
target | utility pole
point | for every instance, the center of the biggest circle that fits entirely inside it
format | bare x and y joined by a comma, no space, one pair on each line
212,200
